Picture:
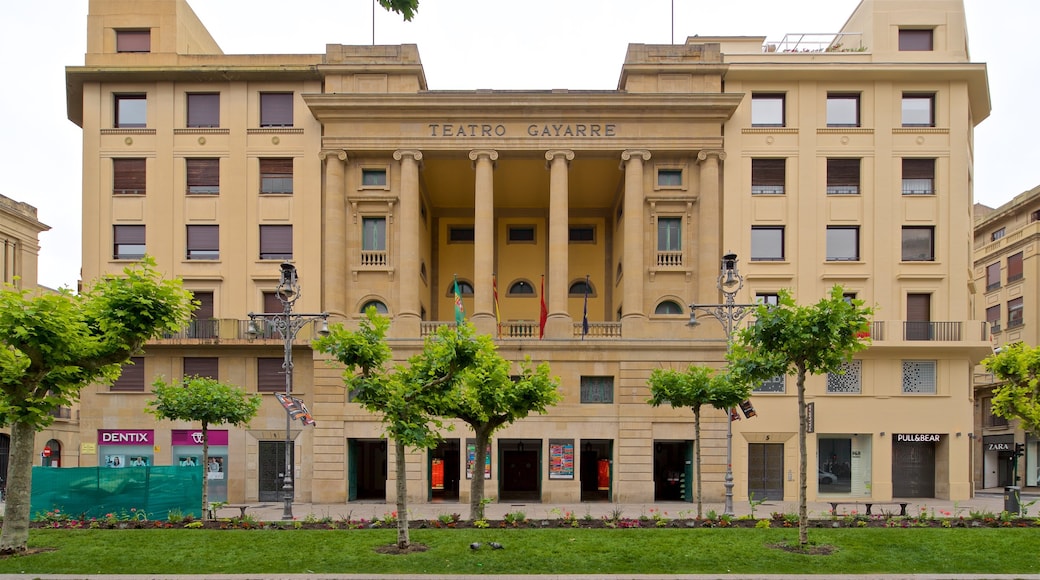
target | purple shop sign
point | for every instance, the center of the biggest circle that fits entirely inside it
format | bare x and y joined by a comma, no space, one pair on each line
126,437
194,436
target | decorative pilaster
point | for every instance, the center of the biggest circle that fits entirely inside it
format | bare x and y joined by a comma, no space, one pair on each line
559,323
483,316
407,317
633,260
334,268
709,225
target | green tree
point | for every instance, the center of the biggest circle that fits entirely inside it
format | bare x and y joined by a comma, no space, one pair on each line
693,388
405,395
207,401
487,399
1018,366
54,345
406,8
790,339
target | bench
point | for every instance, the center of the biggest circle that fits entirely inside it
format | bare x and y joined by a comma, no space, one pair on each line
902,505
241,507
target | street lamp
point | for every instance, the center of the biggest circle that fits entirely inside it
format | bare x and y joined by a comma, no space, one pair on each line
288,325
729,313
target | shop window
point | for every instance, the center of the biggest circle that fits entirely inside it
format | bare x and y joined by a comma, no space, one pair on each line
201,366
918,110
843,110
915,39
993,318
843,176
128,242
993,276
276,175
597,389
669,241
668,307
134,40
460,234
276,242
768,176
270,376
777,384
203,176
767,243
847,379
377,304
767,109
131,111
919,377
129,176
842,243
918,176
203,109
521,234
1014,267
581,234
918,244
1015,310
834,473
276,109
132,377
203,242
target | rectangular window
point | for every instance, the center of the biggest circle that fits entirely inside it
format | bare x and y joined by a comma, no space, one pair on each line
373,233
767,110
203,176
991,419
276,242
373,178
128,242
918,325
843,176
768,176
131,111
919,376
134,40
203,109
270,376
843,110
669,234
276,175
918,176
915,39
768,298
1014,267
578,234
129,176
993,318
1015,311
847,379
918,110
201,366
520,234
669,177
997,234
767,243
203,242
460,234
202,323
276,109
842,243
132,377
993,276
597,389
777,384
918,244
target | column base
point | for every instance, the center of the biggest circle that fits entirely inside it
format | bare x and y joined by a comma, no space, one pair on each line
559,326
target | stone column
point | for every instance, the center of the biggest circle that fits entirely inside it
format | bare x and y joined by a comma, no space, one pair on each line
334,274
709,226
633,267
559,323
407,318
483,317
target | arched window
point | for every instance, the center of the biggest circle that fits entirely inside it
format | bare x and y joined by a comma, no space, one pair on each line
465,288
377,304
668,307
578,288
521,288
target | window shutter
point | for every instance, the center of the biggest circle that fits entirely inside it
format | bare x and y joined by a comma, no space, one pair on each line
204,310
128,234
918,307
276,109
276,166
128,176
270,377
1014,267
203,238
918,169
843,172
133,41
276,242
768,172
132,377
203,175
272,304
204,110
202,366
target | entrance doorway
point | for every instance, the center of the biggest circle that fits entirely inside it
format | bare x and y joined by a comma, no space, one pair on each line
673,470
766,471
521,470
271,478
597,469
53,454
444,469
913,469
366,469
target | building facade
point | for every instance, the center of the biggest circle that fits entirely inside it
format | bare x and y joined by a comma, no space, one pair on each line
1006,274
844,161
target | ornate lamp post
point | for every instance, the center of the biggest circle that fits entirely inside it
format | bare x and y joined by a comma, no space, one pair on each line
729,313
288,325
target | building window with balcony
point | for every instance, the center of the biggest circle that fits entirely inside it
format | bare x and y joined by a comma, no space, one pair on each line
276,242
276,175
777,384
918,176
842,243
843,109
134,40
201,366
918,110
768,109
919,39
997,234
276,109
847,379
993,276
203,242
203,109
767,243
373,241
131,379
768,176
1015,312
1014,267
843,176
918,244
131,111
919,377
202,176
129,176
202,323
128,242
669,241
597,389
270,376
993,318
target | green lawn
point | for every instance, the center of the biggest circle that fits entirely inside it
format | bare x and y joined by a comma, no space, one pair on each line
530,551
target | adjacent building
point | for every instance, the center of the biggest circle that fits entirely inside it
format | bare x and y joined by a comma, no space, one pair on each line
819,160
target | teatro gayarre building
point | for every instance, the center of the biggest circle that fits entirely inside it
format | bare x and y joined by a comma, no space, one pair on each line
817,160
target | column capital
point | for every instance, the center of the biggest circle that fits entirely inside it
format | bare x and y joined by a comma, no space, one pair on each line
704,154
629,154
567,154
402,153
338,153
476,154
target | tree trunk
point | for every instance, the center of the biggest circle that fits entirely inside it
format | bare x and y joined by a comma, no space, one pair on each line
697,452
15,535
205,470
476,484
402,497
803,461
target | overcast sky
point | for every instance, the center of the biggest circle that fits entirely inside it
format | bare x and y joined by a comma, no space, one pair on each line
468,44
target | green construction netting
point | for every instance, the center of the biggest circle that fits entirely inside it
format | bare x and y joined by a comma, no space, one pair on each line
94,492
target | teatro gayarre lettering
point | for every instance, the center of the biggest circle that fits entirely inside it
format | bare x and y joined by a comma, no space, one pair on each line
531,130
917,437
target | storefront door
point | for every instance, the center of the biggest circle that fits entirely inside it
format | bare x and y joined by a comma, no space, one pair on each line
913,469
766,471
272,471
